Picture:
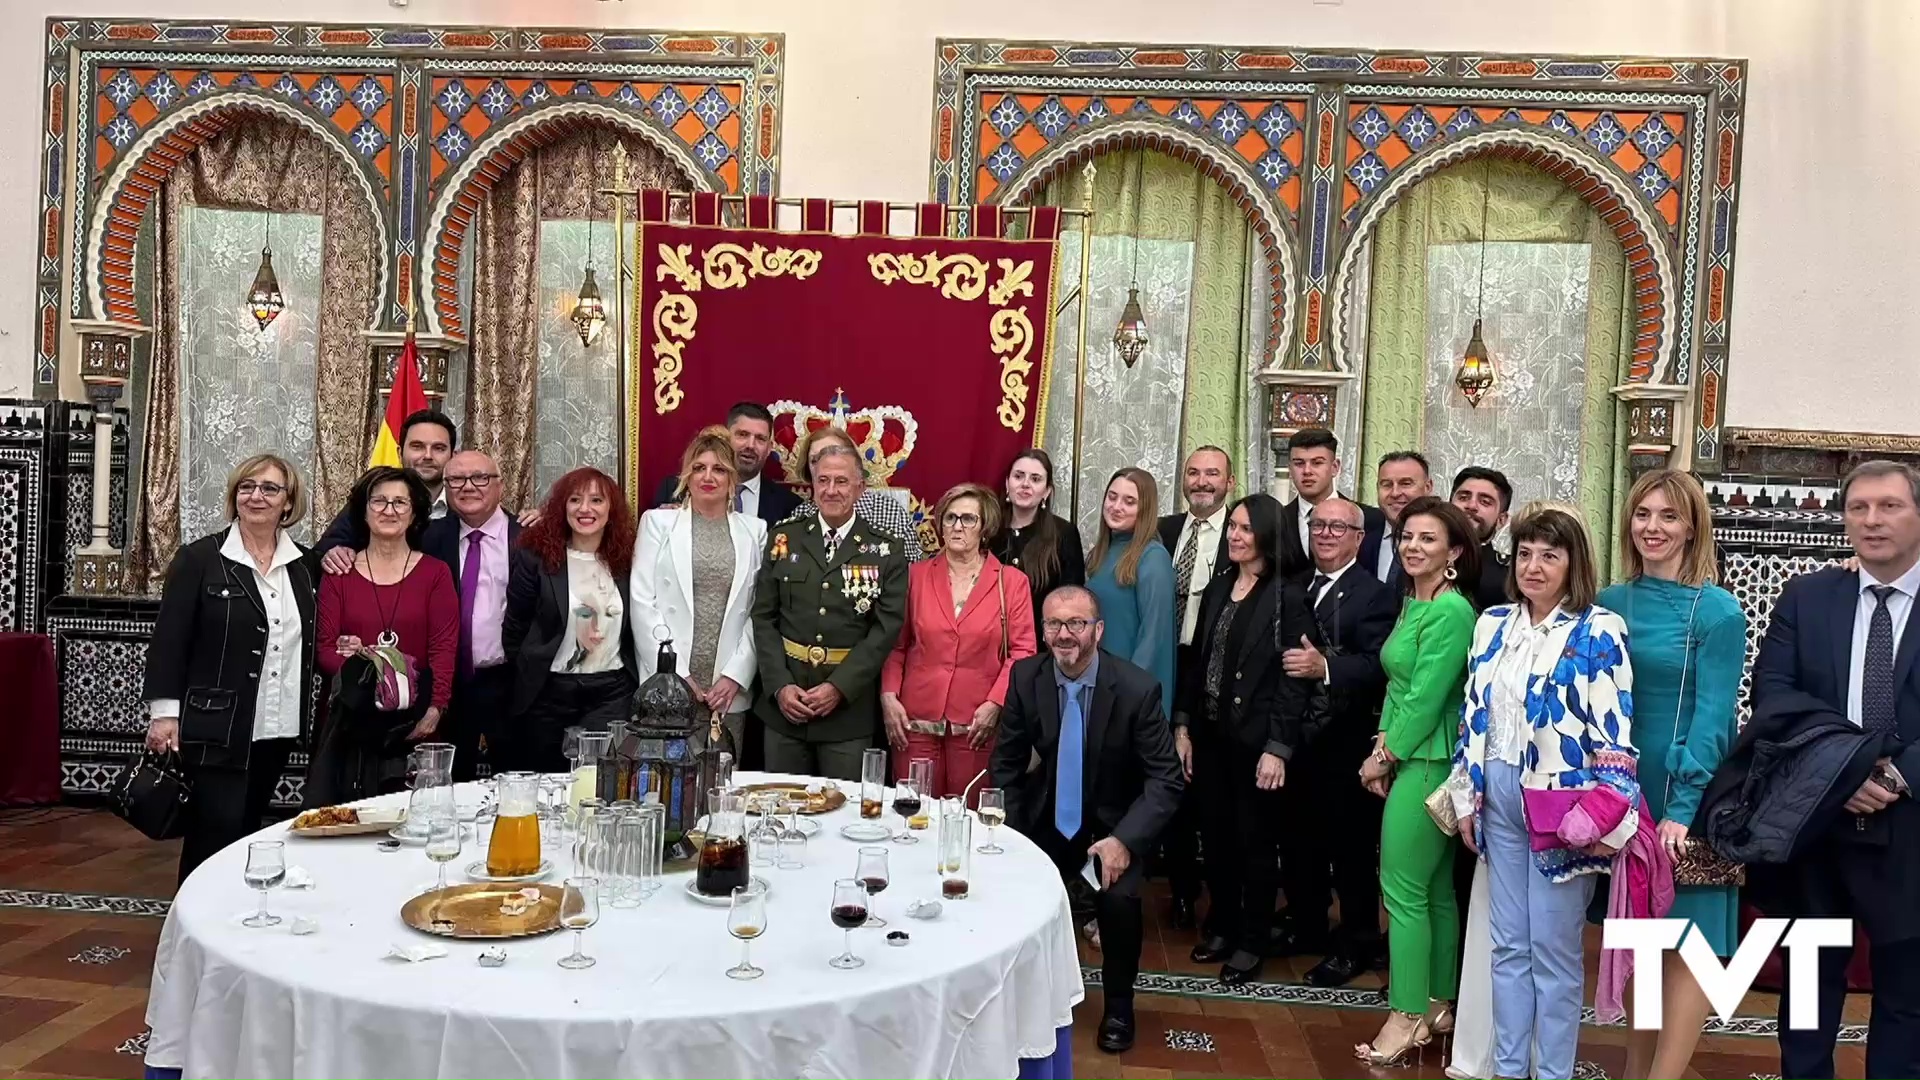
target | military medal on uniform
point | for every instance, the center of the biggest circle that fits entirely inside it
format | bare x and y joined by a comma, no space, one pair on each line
861,584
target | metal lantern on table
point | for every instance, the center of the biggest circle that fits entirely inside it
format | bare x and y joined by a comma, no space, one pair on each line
662,754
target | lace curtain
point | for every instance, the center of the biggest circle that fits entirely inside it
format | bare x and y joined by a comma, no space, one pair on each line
578,421
1194,384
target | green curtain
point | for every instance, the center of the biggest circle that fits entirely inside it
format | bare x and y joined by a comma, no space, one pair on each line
1521,205
1153,196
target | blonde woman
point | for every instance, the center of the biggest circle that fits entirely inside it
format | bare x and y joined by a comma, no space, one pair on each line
1132,577
693,573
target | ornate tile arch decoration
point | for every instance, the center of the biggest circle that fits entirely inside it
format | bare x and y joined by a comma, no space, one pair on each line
1332,136
132,188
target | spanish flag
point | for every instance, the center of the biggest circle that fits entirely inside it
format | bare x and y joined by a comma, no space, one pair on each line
408,397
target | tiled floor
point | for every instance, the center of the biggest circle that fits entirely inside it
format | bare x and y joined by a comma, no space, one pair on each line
79,921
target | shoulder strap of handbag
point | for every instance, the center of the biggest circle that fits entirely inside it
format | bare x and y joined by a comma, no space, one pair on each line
1686,661
1006,640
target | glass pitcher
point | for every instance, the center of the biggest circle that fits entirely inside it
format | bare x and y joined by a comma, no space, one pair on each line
723,853
514,850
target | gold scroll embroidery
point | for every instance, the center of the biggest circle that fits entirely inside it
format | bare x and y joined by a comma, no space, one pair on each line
964,277
726,266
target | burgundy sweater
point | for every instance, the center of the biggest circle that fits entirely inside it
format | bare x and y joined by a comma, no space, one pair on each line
425,613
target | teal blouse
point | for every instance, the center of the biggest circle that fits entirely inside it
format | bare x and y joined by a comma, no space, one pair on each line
1139,618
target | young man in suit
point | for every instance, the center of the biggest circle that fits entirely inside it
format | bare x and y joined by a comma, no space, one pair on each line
1845,640
1486,497
1107,781
1336,621
1402,477
1198,541
1313,464
750,426
427,441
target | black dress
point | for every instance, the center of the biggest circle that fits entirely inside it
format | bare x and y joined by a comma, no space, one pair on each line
1070,563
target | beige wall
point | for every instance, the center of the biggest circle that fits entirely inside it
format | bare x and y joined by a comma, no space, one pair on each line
1829,239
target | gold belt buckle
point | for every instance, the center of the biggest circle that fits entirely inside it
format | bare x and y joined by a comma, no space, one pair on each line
817,655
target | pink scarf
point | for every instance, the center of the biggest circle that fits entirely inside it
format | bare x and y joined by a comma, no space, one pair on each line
1642,888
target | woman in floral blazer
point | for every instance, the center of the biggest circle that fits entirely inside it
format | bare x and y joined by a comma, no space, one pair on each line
1548,708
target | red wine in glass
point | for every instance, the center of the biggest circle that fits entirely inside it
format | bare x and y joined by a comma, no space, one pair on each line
849,913
849,916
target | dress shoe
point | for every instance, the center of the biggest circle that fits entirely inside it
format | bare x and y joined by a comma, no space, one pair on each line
1336,970
1116,1033
1240,969
1288,941
1212,950
1181,916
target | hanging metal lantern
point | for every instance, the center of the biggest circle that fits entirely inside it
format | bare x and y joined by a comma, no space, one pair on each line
1475,377
589,312
1130,335
264,298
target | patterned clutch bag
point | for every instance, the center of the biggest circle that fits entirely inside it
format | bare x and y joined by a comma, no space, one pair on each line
1699,864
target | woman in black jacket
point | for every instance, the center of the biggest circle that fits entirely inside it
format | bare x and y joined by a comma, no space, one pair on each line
1233,740
229,679
1036,541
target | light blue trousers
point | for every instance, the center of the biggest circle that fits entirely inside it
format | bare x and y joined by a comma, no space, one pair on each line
1536,927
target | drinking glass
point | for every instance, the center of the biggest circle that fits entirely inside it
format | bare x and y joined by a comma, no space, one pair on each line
956,840
443,844
849,912
623,890
873,874
746,920
793,842
763,842
266,867
993,813
653,847
910,797
579,909
873,783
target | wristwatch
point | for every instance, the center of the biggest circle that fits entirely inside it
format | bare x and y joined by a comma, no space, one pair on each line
1889,777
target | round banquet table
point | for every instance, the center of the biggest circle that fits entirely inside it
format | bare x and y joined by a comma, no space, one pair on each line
980,991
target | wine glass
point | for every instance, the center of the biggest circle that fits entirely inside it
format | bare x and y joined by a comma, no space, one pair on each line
909,799
579,909
266,867
746,920
993,814
443,844
849,913
873,874
793,841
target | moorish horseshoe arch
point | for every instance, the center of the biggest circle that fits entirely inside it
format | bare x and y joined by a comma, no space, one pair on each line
453,210
131,190
1649,262
1170,137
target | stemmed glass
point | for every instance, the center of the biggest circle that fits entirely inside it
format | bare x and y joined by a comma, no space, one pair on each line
873,874
909,799
266,867
443,844
993,814
746,920
793,841
579,909
849,913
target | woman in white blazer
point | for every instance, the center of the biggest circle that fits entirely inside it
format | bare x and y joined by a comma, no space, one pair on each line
693,574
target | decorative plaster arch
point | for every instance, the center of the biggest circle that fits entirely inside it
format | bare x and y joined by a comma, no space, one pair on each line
134,187
1649,264
1167,136
458,202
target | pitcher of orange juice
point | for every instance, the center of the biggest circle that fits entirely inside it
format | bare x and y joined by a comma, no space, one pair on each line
515,848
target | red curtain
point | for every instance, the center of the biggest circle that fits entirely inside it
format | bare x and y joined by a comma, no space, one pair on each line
931,350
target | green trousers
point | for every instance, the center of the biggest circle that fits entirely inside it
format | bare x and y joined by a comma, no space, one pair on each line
1416,881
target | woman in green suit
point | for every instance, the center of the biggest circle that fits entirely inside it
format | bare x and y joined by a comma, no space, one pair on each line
1426,662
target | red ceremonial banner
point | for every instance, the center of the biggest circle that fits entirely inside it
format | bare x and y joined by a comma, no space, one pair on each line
932,352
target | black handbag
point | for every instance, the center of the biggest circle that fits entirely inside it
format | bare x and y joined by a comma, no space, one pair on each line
152,793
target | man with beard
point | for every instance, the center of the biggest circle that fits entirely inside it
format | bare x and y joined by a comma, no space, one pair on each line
1402,477
1313,464
750,427
1486,497
1198,539
427,441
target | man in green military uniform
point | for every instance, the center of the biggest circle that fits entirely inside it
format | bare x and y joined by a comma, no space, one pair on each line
828,605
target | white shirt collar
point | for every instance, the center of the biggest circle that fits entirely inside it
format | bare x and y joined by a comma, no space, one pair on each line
752,483
284,551
828,531
495,526
1908,583
1334,575
1215,519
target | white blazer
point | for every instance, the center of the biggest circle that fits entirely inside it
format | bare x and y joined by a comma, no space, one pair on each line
662,595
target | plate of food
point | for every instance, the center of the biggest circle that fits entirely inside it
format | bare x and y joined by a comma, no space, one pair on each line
346,820
485,910
815,798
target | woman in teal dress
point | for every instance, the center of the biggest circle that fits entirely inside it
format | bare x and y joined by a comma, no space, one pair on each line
1686,639
1133,579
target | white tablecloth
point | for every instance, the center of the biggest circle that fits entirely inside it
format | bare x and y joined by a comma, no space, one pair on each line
984,985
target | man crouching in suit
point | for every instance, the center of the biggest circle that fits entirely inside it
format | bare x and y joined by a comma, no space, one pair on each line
1105,784
1336,622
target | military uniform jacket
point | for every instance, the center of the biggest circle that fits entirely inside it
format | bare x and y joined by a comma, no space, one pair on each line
802,601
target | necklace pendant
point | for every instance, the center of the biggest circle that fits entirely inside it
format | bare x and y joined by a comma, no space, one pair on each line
387,640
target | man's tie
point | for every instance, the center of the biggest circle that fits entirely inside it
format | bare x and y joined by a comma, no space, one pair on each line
1318,583
739,500
832,543
1183,575
1876,676
1072,758
469,585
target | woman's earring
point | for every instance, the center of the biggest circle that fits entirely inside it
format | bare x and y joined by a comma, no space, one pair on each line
1451,572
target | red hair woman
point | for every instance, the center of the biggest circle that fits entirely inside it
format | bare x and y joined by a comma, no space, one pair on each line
566,624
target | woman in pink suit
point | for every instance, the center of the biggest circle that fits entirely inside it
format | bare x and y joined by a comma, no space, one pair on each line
969,617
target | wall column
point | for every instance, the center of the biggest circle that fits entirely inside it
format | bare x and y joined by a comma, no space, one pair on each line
106,363
1655,415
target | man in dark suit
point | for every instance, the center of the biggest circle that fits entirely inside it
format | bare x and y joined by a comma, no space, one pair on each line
750,426
1337,620
427,441
1197,540
1313,464
1845,640
1402,476
1106,784
1486,497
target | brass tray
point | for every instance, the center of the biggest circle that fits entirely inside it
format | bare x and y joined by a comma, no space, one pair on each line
826,802
473,911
